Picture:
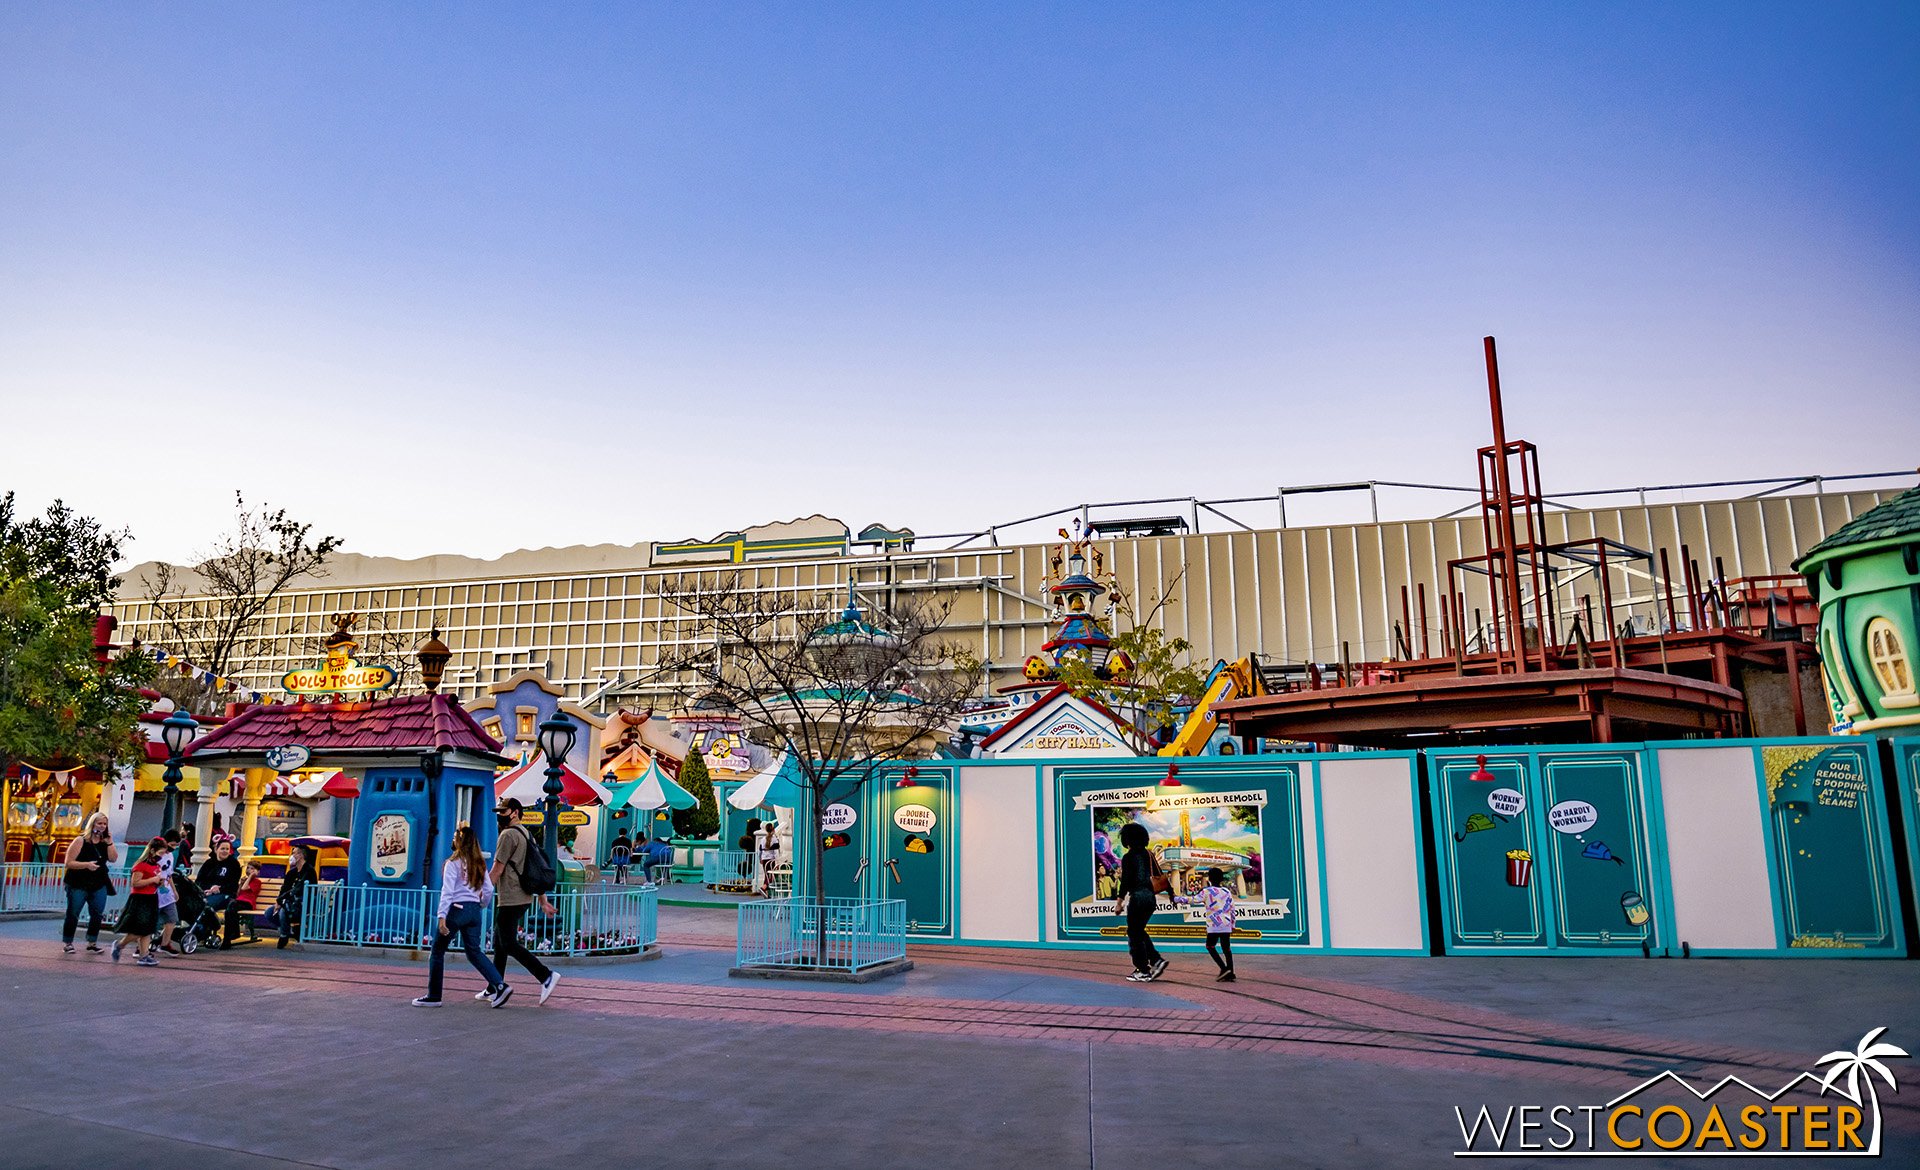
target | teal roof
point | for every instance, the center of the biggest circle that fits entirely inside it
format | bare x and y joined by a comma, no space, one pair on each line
1890,520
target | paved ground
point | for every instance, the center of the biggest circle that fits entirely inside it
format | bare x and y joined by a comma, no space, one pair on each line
978,1058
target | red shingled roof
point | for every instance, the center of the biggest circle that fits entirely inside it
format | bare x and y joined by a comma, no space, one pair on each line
412,723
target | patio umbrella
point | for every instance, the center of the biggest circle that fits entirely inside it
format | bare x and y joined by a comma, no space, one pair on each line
650,790
335,783
768,786
528,783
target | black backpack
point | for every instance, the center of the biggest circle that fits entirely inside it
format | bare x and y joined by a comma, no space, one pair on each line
536,868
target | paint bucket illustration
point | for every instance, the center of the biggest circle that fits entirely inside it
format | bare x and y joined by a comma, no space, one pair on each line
1634,907
1519,867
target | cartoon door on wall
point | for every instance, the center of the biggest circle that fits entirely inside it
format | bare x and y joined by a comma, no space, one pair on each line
1543,850
1835,871
846,830
917,855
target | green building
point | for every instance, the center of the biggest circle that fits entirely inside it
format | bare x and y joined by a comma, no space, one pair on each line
1867,577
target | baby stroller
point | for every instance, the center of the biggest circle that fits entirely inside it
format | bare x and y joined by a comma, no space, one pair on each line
199,925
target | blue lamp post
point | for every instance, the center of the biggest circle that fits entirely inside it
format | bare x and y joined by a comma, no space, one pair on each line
176,731
556,740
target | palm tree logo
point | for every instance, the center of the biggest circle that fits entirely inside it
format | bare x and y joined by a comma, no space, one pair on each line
1865,1057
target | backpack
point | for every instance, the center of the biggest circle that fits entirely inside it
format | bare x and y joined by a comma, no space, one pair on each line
536,868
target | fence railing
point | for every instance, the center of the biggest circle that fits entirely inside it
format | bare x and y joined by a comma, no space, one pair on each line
30,887
727,867
830,934
621,920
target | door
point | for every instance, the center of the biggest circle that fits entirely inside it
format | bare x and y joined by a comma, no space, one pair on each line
1543,850
915,828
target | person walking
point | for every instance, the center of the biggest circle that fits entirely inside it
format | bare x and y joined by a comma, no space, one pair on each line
293,895
168,897
1138,900
140,917
89,884
1216,905
769,855
465,889
512,901
219,880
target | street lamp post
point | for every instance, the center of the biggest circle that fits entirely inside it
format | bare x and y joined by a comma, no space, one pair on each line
556,740
176,731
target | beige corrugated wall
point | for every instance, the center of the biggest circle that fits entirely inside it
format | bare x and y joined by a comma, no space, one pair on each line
1293,594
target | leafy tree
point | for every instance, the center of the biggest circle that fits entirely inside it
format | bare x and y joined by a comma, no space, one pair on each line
1160,678
702,820
214,612
61,704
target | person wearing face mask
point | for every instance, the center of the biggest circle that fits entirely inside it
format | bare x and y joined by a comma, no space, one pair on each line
88,883
511,900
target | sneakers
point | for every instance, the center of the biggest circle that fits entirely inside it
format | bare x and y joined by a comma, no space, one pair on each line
546,985
484,993
500,996
146,961
69,948
1139,977
423,1001
1224,977
1159,969
93,948
117,944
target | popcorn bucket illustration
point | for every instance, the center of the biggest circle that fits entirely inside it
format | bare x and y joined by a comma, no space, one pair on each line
1519,867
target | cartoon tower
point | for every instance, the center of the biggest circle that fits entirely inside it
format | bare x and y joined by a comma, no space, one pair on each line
1077,607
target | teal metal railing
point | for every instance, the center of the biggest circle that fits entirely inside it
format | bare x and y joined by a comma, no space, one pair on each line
620,920
727,867
821,934
40,887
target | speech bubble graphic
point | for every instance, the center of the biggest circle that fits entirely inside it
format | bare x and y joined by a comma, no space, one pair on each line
1573,816
914,818
837,817
1506,801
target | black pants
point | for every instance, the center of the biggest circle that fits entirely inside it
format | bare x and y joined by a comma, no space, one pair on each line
1225,943
507,944
1140,907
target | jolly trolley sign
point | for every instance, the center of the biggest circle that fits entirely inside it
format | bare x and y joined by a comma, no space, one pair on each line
342,674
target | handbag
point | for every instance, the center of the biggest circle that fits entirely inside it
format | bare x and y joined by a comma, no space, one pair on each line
1161,884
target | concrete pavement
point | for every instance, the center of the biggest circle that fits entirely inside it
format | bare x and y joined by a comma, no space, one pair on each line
979,1058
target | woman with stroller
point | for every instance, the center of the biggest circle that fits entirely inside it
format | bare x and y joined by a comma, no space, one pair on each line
88,883
293,894
465,890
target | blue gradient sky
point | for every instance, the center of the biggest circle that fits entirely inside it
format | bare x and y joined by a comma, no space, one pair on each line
654,271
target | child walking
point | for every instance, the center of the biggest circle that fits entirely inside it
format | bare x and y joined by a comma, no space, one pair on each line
141,917
1217,905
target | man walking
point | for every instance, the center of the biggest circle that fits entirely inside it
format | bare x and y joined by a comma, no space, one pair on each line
511,900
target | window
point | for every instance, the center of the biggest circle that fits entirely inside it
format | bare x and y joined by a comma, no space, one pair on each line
1888,655
524,724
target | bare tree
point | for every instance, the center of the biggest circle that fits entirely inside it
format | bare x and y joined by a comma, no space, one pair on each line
839,687
213,613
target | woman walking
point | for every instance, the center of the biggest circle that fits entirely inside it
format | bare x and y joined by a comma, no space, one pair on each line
465,890
141,915
769,855
293,894
1139,898
89,884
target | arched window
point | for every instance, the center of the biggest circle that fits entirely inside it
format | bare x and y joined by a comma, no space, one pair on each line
1891,667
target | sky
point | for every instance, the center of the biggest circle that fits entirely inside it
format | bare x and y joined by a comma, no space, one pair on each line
475,277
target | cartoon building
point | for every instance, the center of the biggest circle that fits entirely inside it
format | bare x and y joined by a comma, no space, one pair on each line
1867,578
